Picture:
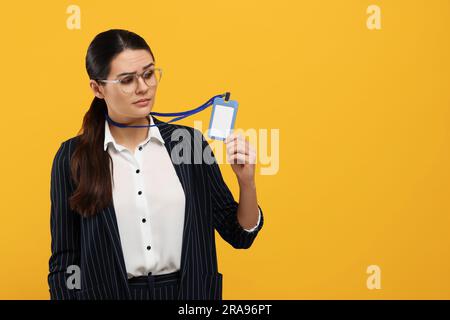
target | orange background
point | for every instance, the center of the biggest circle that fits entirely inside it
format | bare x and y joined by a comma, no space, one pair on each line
364,133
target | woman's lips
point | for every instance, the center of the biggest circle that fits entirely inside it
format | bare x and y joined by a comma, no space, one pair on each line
142,103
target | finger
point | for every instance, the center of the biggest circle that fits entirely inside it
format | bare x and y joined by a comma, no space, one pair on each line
239,158
234,136
231,137
238,139
237,146
252,157
233,141
242,146
249,158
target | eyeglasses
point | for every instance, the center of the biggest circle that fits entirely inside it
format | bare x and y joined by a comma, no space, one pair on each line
129,83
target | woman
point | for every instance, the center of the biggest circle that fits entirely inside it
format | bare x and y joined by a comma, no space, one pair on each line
128,219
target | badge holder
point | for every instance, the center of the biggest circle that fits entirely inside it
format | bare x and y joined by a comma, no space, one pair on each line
223,117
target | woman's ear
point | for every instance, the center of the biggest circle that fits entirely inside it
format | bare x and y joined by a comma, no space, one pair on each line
96,88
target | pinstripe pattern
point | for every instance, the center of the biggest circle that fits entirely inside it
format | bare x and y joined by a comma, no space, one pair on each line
164,287
94,243
166,292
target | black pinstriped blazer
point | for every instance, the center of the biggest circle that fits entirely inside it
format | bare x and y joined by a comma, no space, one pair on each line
94,244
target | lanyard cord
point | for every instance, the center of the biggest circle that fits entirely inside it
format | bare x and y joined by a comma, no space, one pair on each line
178,115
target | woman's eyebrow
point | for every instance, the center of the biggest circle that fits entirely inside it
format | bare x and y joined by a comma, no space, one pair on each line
145,67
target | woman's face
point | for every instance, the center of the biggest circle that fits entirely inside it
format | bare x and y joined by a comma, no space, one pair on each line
121,106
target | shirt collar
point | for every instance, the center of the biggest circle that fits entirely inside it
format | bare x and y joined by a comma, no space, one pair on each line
152,133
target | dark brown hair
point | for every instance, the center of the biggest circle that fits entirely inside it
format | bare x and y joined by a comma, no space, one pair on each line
90,162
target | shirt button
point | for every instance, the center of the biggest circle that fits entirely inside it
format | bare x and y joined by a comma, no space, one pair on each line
140,192
148,247
143,220
137,171
140,148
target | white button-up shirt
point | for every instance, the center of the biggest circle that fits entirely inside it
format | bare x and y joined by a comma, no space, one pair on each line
149,202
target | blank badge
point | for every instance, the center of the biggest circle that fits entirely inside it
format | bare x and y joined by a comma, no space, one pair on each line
222,120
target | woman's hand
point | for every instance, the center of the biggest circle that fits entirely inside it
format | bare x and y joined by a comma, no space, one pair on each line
242,157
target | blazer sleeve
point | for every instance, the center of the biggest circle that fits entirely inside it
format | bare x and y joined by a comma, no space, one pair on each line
64,226
225,207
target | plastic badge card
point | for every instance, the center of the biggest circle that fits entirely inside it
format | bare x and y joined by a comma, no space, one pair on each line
223,116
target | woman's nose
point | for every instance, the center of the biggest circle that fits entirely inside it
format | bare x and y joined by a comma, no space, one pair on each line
141,85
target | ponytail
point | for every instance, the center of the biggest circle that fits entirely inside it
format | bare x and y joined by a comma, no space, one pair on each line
90,164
